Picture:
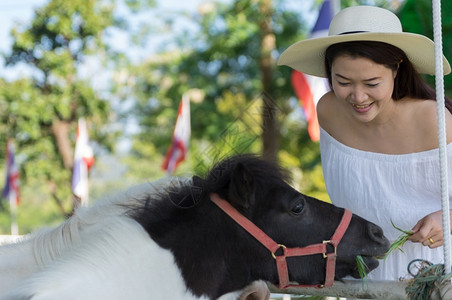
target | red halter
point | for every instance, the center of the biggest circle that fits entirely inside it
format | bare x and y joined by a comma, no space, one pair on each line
272,246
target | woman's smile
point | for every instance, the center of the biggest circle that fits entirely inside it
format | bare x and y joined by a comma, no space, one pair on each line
363,108
364,85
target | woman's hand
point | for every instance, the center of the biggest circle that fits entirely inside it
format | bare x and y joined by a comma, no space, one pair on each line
429,230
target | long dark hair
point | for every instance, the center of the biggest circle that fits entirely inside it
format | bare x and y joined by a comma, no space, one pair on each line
407,83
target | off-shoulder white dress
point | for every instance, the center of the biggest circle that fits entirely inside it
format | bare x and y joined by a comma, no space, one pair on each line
381,187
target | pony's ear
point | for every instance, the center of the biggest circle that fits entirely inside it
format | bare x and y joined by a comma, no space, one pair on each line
242,188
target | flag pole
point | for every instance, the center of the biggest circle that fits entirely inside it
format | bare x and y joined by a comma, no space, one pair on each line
13,209
11,189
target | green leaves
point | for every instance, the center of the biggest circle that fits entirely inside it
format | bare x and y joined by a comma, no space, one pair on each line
417,17
400,241
362,270
41,110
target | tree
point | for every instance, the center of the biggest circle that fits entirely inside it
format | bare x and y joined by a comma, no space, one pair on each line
41,111
417,17
270,126
233,53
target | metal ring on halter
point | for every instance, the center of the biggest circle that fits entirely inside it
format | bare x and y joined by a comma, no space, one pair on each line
280,246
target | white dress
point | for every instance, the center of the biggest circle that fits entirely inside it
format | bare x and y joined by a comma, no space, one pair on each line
380,188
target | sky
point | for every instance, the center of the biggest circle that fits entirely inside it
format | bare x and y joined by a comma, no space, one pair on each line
21,12
14,12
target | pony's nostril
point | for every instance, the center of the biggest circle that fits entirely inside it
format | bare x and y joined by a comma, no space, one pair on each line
375,233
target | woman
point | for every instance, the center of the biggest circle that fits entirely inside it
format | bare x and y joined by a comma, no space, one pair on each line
379,135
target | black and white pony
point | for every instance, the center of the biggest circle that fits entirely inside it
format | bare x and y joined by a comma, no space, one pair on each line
168,240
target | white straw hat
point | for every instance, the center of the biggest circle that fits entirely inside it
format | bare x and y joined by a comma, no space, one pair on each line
362,23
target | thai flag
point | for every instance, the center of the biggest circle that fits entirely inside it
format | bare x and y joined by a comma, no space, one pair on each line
181,138
309,89
11,189
83,160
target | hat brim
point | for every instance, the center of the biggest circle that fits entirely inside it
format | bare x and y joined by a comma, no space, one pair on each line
308,56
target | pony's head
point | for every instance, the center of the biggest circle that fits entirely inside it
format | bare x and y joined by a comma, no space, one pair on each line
259,190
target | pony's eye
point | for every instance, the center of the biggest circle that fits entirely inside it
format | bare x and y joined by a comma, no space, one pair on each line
297,209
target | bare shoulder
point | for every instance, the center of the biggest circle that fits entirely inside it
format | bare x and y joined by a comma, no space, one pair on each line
326,108
425,115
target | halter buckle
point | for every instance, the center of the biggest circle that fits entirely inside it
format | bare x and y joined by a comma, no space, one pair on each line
334,247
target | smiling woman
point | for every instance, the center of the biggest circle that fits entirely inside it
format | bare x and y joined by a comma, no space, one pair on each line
378,127
378,92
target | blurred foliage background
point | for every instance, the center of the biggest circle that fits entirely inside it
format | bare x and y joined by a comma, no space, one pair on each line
223,55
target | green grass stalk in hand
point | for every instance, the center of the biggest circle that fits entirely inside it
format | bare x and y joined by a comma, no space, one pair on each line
400,241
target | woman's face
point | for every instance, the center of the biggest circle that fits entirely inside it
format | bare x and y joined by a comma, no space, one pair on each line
364,86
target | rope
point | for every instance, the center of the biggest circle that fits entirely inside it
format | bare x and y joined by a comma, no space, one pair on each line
439,83
428,282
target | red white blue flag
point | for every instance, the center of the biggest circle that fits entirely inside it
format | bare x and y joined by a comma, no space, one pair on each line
181,137
11,189
309,89
83,160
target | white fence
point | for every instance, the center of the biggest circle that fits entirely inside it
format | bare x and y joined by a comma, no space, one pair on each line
354,289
